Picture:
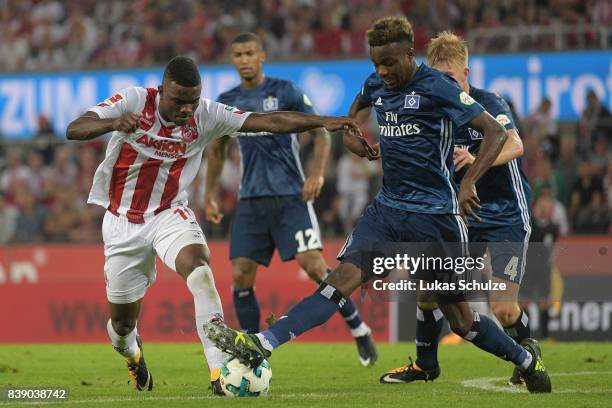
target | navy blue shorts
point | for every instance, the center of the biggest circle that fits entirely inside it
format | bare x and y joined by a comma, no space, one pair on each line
262,224
380,225
507,246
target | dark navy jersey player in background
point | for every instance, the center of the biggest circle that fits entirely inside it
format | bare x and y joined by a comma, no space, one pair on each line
414,107
502,223
275,208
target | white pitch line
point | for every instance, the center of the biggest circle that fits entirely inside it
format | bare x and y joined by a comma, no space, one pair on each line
487,383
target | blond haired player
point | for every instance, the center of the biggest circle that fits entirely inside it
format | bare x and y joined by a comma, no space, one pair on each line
155,151
501,224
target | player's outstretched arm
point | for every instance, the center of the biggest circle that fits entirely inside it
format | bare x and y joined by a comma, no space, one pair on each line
316,178
493,141
90,125
295,122
216,154
358,145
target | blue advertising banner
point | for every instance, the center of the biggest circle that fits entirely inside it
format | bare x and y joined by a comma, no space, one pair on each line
525,78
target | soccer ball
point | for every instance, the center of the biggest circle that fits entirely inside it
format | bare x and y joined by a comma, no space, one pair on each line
238,380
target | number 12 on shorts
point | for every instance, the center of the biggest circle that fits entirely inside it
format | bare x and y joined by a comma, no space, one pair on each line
313,240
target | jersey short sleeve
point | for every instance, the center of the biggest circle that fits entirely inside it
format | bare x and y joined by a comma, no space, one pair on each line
365,94
223,99
227,120
499,109
455,102
126,100
300,102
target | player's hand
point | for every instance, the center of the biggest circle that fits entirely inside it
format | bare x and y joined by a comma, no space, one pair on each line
211,211
312,187
359,146
127,123
468,200
334,123
462,158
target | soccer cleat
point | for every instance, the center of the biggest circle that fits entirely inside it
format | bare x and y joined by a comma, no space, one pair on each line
245,347
516,379
409,373
215,383
366,349
140,375
536,377
215,386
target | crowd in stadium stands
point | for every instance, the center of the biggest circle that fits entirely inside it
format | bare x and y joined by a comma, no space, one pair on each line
79,34
44,184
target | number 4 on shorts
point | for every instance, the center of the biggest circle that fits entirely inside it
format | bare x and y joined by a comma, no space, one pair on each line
512,268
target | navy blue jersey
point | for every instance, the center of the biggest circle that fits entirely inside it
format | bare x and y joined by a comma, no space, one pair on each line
416,139
503,190
270,163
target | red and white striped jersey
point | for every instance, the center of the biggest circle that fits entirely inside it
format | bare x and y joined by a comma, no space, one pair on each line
148,171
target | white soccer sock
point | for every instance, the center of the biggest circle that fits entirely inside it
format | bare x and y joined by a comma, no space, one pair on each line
125,345
207,303
361,330
265,343
525,364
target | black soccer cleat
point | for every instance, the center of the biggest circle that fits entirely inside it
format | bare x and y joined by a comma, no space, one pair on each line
245,347
215,383
366,349
516,379
139,374
536,377
409,373
216,389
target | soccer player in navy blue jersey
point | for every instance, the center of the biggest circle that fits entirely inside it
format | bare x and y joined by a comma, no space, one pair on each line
502,224
275,208
416,108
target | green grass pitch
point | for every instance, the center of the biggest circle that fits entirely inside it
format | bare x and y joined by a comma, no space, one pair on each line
308,375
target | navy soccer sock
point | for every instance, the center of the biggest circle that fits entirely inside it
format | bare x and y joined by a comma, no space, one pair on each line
428,328
520,330
487,335
247,309
312,311
351,316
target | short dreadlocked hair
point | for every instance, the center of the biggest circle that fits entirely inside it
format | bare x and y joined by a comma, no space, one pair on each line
183,71
388,30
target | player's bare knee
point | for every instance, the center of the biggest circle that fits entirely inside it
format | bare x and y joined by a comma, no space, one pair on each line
123,326
313,264
190,258
346,278
460,317
243,273
506,312
459,326
243,278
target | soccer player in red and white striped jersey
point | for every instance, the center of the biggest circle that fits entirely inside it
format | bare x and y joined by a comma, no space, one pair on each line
154,153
